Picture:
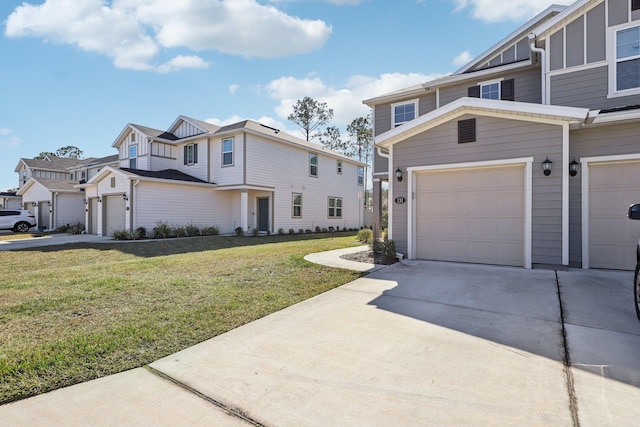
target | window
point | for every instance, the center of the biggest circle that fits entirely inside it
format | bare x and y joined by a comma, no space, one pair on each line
360,175
466,131
190,154
83,175
72,176
296,205
313,164
335,207
403,112
133,156
133,137
628,58
503,90
490,91
227,152
339,167
113,182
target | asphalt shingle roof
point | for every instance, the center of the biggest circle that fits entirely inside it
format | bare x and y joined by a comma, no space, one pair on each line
170,174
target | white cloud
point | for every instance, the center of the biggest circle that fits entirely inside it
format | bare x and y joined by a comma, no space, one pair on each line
131,32
233,88
462,59
346,101
8,140
505,10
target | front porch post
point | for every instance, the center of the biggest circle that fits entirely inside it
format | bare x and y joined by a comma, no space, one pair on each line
244,210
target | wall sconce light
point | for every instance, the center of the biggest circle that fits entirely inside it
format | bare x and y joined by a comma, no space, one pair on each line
124,197
49,203
399,175
84,201
99,200
573,167
35,204
546,167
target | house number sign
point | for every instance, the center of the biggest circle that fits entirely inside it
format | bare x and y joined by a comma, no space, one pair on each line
400,200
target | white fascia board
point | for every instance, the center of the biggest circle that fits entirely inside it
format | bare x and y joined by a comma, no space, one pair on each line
121,136
25,187
485,107
511,37
245,187
565,15
173,181
619,116
107,170
409,92
457,78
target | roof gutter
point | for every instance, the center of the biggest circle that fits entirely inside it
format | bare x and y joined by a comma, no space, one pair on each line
541,51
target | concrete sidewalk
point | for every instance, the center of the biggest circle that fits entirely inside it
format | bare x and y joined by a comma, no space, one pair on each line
52,239
424,344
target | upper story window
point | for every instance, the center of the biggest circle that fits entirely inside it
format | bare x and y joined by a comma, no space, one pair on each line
403,112
190,154
133,137
72,176
339,167
313,164
627,58
227,152
490,90
133,156
501,89
360,175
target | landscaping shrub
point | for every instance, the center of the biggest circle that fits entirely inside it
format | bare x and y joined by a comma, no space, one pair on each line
292,231
365,235
179,232
141,232
239,231
318,229
255,231
308,231
331,229
325,230
192,230
388,250
76,228
300,231
161,230
121,234
211,230
280,231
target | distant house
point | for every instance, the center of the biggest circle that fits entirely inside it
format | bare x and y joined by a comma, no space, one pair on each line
245,175
527,155
10,200
47,188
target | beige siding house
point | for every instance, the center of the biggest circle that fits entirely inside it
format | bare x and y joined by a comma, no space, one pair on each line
244,175
527,155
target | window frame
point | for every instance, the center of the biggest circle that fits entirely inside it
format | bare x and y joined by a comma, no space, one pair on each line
360,175
133,159
487,83
294,205
612,39
335,211
415,103
339,167
190,155
231,152
312,165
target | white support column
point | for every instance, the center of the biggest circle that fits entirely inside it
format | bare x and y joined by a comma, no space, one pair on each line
244,209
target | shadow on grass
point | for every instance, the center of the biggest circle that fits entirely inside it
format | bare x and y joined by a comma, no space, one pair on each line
149,248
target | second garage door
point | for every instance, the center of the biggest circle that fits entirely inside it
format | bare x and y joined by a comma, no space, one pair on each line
471,215
114,214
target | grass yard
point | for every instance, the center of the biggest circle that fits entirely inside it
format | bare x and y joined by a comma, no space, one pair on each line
20,236
73,313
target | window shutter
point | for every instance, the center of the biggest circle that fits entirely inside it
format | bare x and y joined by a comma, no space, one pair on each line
635,4
195,153
474,92
466,131
507,90
185,154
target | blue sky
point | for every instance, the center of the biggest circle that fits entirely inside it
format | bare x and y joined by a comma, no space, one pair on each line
75,72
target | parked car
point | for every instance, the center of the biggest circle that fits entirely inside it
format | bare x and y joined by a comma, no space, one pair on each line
634,213
16,220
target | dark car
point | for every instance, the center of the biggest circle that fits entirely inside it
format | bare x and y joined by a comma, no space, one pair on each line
634,213
16,220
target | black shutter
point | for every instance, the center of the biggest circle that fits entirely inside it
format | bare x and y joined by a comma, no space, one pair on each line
473,92
185,154
466,131
507,90
195,153
635,4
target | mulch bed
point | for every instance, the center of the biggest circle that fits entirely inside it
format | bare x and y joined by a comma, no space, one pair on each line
368,257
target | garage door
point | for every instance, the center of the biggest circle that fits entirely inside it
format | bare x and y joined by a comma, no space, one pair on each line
93,216
471,215
115,213
613,237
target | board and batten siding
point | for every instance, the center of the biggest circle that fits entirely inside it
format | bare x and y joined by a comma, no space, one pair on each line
286,168
68,208
186,130
180,205
497,139
227,175
619,139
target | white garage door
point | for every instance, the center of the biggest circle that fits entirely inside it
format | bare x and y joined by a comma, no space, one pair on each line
115,213
471,215
613,237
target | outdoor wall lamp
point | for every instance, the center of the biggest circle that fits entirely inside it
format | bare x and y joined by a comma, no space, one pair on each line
573,167
35,204
49,203
546,167
84,201
99,200
124,197
399,175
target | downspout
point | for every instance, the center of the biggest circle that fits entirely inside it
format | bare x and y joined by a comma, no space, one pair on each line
132,200
52,208
543,61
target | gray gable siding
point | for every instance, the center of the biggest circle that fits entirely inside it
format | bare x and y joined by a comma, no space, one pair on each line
586,89
611,140
618,12
596,35
575,43
496,139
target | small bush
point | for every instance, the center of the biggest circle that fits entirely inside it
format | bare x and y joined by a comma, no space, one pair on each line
365,235
192,230
211,230
301,231
255,231
239,231
308,231
376,245
318,229
388,250
161,230
141,232
179,232
325,230
292,231
76,228
331,229
281,231
121,234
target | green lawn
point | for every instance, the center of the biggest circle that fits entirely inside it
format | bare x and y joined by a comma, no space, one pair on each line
73,313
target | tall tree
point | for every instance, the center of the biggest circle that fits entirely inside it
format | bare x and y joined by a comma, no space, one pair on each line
69,152
331,139
310,115
360,136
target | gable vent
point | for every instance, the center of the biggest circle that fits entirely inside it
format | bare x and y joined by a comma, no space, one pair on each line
466,131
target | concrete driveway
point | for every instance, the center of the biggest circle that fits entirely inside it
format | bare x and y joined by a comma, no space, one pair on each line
424,344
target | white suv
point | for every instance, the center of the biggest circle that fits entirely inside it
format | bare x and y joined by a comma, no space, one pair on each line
16,220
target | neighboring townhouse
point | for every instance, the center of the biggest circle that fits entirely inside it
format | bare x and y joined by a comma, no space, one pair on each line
9,200
529,154
244,175
47,188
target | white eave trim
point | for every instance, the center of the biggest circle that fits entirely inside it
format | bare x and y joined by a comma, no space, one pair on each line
619,116
485,107
410,92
